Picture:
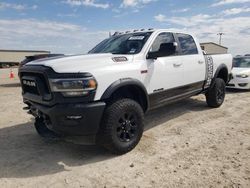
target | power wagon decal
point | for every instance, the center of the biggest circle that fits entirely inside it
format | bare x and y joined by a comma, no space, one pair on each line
209,70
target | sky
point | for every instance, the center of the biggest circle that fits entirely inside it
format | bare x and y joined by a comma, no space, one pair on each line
75,26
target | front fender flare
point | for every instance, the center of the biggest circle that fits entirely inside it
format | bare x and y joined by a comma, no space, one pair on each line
121,83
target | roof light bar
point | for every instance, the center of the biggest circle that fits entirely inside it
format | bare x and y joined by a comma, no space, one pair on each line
135,30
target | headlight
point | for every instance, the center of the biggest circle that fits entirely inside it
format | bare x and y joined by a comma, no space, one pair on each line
242,75
73,87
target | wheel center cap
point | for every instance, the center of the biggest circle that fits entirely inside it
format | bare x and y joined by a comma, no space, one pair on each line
127,125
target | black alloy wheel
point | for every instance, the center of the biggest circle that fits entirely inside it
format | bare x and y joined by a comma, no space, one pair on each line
127,127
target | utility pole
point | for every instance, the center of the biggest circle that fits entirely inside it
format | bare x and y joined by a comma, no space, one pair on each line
220,35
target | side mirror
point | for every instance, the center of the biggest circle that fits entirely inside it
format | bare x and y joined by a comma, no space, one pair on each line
166,49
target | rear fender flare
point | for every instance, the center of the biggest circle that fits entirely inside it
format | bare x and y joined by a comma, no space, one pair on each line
221,67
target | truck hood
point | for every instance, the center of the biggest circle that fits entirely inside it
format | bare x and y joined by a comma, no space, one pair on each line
237,70
80,63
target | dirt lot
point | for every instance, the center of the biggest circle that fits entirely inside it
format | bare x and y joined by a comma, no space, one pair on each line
185,144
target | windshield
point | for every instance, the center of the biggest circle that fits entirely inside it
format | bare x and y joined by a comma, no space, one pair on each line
241,62
130,43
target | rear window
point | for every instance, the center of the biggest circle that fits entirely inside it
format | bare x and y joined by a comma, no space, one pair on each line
187,44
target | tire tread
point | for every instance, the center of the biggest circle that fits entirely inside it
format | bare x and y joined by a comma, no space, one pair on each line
105,136
211,94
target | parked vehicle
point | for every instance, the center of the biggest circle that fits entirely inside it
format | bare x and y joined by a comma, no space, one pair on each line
7,64
104,94
240,78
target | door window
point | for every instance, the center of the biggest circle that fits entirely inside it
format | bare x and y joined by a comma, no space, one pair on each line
187,44
162,42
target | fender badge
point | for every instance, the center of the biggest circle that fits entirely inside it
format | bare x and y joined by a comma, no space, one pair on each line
144,71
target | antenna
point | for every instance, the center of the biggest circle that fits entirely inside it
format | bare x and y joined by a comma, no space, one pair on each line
220,37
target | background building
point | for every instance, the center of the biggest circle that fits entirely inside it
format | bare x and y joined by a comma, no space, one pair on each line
14,57
213,48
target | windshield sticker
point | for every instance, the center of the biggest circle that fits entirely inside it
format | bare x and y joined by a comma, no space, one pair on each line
132,51
136,38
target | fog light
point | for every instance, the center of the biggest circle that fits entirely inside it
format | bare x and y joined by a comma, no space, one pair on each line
75,93
243,85
73,117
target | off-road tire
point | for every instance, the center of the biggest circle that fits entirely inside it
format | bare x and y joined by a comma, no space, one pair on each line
216,94
122,126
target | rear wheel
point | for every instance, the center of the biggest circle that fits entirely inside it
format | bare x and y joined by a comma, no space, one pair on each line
216,94
122,126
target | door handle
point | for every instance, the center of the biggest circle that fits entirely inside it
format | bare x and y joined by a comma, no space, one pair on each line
200,62
177,64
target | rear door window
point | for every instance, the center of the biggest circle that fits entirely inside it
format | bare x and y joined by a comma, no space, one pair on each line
187,44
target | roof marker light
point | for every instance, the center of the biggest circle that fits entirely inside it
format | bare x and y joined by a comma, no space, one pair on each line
116,33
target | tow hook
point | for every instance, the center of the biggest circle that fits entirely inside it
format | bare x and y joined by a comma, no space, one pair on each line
26,108
33,111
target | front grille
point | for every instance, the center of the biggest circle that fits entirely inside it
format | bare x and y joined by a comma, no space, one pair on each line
29,88
35,84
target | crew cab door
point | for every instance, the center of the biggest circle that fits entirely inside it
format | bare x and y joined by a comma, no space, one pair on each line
165,72
193,62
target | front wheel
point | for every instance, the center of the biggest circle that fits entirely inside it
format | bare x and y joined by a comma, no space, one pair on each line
216,94
122,126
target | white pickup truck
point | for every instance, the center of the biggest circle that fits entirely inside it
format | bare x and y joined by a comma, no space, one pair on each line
104,94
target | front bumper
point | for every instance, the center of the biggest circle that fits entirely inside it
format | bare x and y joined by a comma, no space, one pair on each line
68,116
74,119
239,83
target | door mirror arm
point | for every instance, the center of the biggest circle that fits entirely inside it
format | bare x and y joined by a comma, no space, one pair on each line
152,55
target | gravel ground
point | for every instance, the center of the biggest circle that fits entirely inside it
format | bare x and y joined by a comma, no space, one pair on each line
185,144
